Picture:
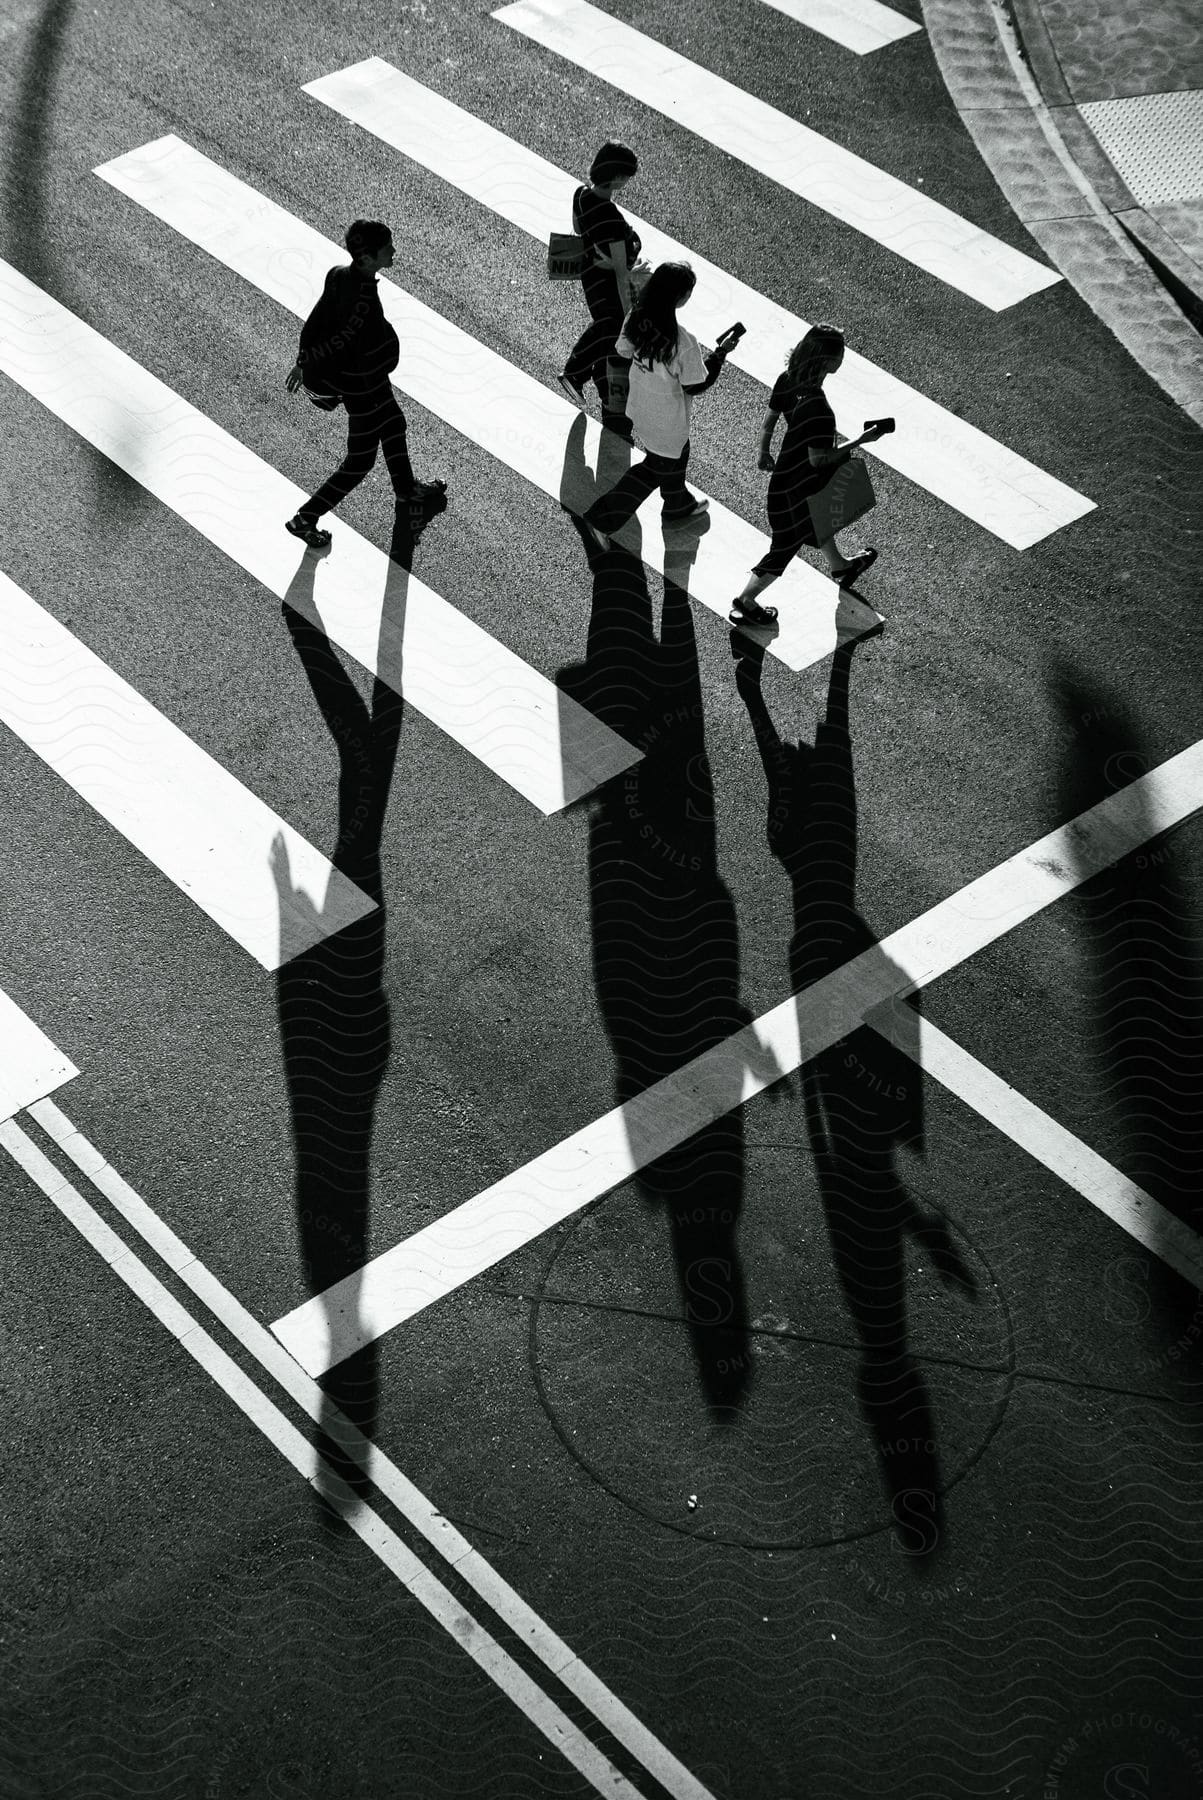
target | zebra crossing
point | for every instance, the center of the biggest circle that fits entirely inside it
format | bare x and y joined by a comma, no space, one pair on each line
257,876
534,737
941,452
857,193
508,715
458,379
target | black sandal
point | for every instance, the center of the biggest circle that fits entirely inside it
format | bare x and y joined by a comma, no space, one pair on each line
856,568
751,612
313,535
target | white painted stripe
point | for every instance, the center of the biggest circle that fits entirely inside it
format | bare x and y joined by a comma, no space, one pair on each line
462,381
900,218
367,1525
1079,1167
860,25
442,1256
30,1065
981,478
488,700
194,821
411,1503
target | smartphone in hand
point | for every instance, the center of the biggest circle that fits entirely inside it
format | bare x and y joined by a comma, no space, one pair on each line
879,426
730,337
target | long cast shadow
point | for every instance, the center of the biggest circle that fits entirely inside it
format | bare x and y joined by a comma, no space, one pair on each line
333,1007
31,128
665,944
1143,969
863,1096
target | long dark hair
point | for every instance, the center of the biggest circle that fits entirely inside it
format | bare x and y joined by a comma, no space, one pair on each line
652,322
805,366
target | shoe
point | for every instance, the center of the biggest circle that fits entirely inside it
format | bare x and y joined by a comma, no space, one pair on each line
748,611
856,568
574,389
697,511
313,535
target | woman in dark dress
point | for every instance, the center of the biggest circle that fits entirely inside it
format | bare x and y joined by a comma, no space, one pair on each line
807,457
614,248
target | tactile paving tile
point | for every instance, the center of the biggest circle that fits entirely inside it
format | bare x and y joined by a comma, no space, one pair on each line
1155,141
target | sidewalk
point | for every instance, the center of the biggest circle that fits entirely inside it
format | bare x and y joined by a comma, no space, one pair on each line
1089,114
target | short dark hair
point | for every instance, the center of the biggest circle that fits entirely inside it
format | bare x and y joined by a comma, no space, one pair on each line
613,159
367,236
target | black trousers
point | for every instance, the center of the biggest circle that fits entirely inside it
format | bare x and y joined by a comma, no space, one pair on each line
588,355
611,511
374,422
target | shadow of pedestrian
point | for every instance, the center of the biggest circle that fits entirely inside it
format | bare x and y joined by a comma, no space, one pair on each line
333,1007
1140,963
665,945
32,125
862,1096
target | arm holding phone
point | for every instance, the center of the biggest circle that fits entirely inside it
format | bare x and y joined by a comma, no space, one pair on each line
717,357
831,459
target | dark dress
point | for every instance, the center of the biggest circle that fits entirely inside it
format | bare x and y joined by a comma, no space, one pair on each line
598,223
809,423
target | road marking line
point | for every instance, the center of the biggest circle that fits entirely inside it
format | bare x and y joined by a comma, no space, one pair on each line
1079,1167
489,401
948,457
400,1282
900,218
860,25
410,1502
188,815
488,700
367,1525
30,1065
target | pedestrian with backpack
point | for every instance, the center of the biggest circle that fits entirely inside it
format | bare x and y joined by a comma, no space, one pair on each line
667,370
803,467
613,250
347,352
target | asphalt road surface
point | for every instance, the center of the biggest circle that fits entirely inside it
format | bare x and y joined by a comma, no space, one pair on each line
824,1422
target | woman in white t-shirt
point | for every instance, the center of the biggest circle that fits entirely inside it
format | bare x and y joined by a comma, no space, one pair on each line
667,370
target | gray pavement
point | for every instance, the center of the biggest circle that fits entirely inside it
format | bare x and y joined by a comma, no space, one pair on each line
720,1511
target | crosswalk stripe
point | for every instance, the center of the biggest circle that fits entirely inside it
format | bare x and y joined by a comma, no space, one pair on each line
860,25
513,719
481,1232
982,479
30,1065
256,877
900,218
1045,1139
481,395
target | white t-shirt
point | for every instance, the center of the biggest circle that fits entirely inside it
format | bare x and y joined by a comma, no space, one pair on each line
659,407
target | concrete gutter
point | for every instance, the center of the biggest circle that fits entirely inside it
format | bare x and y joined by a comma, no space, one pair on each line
1060,185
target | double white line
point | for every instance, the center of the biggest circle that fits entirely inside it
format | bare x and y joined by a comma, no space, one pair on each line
419,1513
